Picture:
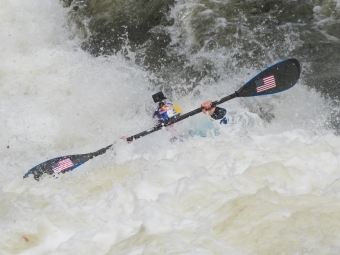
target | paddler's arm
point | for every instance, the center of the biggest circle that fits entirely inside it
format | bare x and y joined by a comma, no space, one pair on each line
125,139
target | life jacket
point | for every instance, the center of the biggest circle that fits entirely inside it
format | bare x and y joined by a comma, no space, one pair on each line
166,111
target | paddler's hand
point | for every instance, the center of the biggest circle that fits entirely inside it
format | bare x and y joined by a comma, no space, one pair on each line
124,138
207,108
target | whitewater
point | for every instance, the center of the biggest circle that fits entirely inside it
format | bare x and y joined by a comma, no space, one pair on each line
249,187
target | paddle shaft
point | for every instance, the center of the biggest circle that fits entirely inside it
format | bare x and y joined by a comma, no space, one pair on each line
274,79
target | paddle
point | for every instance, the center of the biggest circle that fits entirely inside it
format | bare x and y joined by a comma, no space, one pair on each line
276,78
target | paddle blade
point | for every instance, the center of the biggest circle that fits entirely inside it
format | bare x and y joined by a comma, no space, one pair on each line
276,78
56,166
62,164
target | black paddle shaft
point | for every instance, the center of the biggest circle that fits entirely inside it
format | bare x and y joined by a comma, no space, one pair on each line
276,78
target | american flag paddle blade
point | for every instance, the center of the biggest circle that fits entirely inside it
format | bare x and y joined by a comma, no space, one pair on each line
62,164
276,78
54,166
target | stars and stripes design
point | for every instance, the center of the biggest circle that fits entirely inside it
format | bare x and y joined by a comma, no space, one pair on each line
62,165
265,84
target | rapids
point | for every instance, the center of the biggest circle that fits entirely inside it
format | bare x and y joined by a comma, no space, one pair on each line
266,183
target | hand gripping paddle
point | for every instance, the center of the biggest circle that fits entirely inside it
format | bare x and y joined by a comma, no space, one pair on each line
276,78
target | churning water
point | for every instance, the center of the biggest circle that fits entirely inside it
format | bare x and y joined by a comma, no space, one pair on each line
77,75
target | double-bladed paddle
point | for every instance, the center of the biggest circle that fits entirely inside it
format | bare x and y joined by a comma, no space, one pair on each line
276,78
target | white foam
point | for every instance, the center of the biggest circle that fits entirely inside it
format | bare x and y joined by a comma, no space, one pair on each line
255,188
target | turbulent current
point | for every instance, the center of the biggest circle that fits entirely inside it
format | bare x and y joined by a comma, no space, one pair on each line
76,75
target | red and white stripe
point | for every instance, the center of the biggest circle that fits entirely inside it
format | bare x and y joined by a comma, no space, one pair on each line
269,82
63,165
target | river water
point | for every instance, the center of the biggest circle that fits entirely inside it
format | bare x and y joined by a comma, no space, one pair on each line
77,75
